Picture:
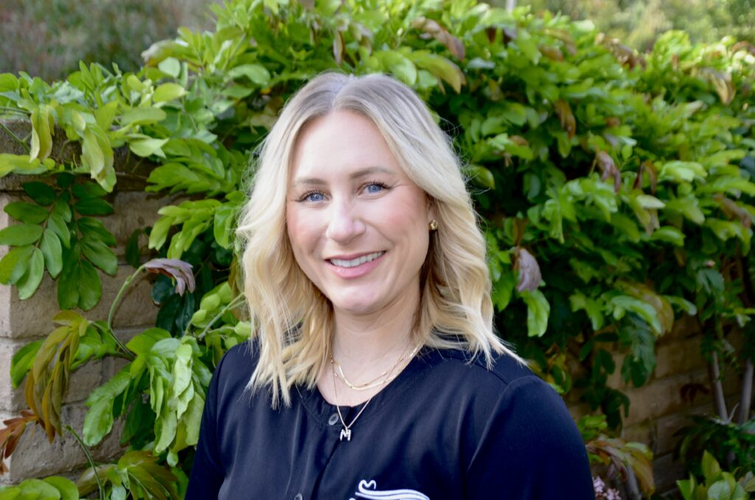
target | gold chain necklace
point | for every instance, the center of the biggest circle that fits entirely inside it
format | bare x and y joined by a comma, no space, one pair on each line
375,382
346,429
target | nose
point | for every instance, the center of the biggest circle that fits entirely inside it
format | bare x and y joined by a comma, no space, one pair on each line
345,224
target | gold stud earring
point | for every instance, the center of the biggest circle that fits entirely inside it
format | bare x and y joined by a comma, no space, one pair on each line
433,225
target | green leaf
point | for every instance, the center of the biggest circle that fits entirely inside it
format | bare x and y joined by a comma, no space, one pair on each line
711,469
63,210
90,287
19,235
95,229
538,310
58,226
133,255
31,279
623,303
142,343
647,201
98,421
170,66
398,65
88,190
43,124
92,155
254,72
168,92
52,251
503,290
165,430
143,116
719,490
93,206
100,255
66,487
682,171
26,212
40,193
481,176
669,234
160,232
22,361
687,488
440,67
148,147
14,265
683,304
36,489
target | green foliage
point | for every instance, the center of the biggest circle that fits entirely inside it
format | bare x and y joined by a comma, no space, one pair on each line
47,38
640,22
725,441
52,488
716,484
615,188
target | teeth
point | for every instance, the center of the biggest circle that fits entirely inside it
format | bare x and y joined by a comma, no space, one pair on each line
356,262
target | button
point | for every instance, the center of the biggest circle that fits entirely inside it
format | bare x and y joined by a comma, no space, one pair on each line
298,497
333,420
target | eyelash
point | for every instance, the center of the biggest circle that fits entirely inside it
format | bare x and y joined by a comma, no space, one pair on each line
304,197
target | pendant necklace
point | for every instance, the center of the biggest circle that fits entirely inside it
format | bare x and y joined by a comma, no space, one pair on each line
346,429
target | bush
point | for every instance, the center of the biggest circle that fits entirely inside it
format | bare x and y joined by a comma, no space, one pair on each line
615,190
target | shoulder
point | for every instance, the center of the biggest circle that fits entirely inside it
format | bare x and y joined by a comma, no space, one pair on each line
505,398
235,369
503,371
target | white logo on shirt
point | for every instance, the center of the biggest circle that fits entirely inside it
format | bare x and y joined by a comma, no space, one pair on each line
367,490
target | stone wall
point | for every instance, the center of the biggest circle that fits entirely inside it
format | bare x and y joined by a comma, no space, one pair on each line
664,404
25,321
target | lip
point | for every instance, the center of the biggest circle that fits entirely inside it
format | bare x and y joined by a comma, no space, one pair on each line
356,271
352,256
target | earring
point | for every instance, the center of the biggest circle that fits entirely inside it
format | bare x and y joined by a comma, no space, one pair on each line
433,225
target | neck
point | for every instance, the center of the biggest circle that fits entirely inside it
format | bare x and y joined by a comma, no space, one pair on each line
365,340
366,346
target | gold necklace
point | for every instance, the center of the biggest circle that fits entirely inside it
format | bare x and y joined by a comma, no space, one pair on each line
375,382
346,429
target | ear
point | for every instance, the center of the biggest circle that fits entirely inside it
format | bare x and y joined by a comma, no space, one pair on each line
432,212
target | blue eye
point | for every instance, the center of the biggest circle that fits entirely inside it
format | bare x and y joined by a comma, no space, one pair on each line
312,197
374,187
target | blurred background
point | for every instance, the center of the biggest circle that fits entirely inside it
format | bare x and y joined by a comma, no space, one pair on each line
47,38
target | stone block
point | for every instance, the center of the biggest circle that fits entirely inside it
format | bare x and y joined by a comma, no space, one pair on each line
35,456
678,356
32,318
11,400
133,210
662,397
666,471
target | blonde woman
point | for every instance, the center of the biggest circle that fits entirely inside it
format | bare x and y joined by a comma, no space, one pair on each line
374,371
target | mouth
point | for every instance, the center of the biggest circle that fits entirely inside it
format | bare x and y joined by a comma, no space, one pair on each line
357,261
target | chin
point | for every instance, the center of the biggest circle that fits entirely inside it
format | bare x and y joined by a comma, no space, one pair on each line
356,305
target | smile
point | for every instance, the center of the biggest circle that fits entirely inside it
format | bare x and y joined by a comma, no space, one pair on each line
356,262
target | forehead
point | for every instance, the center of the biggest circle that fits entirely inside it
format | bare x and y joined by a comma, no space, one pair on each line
341,142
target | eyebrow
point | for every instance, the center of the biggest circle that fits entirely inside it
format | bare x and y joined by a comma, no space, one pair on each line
316,181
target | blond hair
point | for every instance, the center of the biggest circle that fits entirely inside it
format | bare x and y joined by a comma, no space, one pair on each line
291,318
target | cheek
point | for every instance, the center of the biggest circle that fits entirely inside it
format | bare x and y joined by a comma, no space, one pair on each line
296,227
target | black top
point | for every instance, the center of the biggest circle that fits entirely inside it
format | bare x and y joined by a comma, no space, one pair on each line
443,429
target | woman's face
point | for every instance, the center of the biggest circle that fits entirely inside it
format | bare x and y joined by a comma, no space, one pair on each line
357,225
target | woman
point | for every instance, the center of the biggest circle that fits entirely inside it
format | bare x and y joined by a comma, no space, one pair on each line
374,372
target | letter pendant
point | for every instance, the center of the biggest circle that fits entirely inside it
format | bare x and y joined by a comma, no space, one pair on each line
346,433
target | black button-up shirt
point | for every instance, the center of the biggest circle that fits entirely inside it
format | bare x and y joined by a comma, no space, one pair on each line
445,428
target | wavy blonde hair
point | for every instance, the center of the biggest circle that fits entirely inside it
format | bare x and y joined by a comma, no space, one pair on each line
291,318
